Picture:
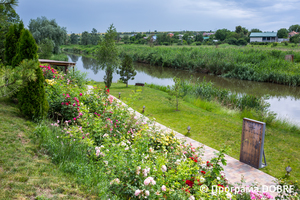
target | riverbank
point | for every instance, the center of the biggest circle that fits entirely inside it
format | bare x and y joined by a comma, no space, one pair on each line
26,171
246,63
216,127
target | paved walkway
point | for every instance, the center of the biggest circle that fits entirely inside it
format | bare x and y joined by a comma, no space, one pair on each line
234,169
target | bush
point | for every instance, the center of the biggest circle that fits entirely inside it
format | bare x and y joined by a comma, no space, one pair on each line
32,98
242,42
198,43
232,41
274,44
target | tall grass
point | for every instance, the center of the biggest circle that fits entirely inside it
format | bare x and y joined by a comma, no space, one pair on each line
247,64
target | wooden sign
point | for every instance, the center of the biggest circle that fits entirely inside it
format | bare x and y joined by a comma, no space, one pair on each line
252,146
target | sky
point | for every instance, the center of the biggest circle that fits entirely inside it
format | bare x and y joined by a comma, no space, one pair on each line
163,15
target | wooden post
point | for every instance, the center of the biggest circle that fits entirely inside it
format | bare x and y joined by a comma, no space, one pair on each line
289,57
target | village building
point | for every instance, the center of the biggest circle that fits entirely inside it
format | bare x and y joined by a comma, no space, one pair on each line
264,37
291,34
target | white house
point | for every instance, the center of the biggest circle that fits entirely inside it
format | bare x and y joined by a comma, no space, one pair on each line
264,37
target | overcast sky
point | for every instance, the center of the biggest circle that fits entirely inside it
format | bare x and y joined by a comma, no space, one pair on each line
163,15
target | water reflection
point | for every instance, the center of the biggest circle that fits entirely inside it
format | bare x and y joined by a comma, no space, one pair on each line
284,100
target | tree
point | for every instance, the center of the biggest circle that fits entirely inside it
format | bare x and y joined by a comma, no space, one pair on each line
295,28
176,91
85,38
26,48
241,42
108,55
94,37
42,28
32,100
282,33
74,38
199,38
255,30
46,48
8,16
221,34
238,29
11,41
127,71
295,39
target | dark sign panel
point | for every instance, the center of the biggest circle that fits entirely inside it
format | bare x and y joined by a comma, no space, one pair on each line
252,146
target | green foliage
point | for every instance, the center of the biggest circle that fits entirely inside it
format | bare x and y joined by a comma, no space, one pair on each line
242,42
74,38
42,28
249,64
11,42
108,54
26,48
46,48
232,41
85,38
94,37
13,79
295,39
295,28
177,91
282,33
127,71
221,34
255,30
8,16
199,38
32,100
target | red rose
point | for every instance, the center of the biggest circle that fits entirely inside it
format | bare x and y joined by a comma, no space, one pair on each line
203,172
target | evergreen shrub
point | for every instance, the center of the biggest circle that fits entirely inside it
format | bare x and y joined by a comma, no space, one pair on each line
32,98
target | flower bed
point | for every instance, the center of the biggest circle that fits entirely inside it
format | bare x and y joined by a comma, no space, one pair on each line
108,149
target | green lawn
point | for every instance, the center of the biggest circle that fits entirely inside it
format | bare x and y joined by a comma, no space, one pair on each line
26,172
216,128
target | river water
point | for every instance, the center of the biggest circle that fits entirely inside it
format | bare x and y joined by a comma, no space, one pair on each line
284,100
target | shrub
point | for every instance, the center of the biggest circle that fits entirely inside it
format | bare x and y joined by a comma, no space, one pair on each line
232,41
274,44
198,43
32,98
242,42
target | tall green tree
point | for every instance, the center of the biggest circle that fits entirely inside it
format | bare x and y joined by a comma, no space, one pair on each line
108,55
8,16
221,34
74,38
11,41
42,28
238,29
94,37
85,38
282,33
26,48
127,71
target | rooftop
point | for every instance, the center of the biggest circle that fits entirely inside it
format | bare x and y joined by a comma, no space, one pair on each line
265,34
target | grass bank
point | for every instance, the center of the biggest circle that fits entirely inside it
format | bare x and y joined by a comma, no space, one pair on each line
245,63
26,172
215,126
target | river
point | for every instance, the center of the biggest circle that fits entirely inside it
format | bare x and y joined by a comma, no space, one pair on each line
284,100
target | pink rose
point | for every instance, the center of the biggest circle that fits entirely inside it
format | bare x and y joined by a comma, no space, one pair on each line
163,188
80,94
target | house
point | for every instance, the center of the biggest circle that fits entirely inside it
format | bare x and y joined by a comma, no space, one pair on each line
291,34
205,38
207,34
170,34
264,37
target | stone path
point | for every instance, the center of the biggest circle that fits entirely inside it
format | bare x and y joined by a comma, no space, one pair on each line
234,169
